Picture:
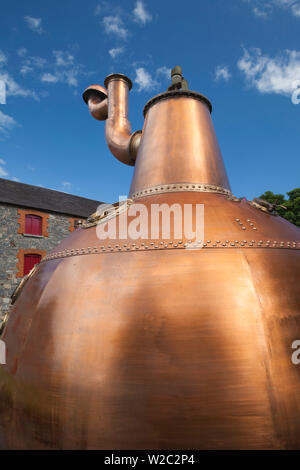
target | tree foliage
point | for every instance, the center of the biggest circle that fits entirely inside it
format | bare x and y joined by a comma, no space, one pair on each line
292,204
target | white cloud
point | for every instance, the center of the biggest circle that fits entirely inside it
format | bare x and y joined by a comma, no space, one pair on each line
141,15
29,63
296,9
102,7
114,25
222,73
38,62
25,69
10,85
34,61
264,8
63,59
14,89
3,172
144,80
63,70
3,58
115,52
261,13
6,122
49,78
164,71
71,77
66,76
67,185
98,10
271,74
22,51
35,24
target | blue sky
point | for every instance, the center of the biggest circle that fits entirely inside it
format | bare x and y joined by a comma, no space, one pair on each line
244,55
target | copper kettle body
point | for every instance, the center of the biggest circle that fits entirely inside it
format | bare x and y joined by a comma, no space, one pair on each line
158,343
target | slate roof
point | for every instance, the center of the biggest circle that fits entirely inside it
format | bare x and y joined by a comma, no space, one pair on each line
35,197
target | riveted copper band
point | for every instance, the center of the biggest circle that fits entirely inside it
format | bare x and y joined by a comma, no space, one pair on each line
171,245
177,94
180,187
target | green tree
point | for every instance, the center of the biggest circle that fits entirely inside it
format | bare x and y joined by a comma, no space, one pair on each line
292,204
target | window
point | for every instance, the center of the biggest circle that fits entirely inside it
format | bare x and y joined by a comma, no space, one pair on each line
30,260
25,262
33,224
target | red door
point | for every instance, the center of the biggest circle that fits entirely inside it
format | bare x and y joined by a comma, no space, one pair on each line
30,260
33,224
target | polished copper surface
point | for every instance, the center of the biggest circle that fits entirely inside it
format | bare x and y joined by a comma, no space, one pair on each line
159,349
178,145
159,343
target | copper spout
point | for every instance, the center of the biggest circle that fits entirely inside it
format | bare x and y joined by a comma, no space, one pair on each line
112,105
95,97
121,142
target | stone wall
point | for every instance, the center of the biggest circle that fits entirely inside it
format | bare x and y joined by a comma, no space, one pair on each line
11,242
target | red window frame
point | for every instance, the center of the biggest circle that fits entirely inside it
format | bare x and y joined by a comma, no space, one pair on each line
30,260
33,224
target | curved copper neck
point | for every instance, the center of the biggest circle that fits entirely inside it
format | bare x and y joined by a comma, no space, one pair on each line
118,128
111,105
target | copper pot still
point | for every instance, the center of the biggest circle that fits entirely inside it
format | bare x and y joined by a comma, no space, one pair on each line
147,343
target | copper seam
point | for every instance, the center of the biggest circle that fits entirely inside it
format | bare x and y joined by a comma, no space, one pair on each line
174,246
180,187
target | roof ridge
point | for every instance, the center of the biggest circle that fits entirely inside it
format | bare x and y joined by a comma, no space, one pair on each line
39,197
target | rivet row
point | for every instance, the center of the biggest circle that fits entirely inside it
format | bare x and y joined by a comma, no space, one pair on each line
173,244
179,187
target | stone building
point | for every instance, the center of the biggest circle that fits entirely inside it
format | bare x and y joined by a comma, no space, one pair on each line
33,221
